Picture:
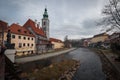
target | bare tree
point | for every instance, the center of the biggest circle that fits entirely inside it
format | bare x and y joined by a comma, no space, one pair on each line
111,19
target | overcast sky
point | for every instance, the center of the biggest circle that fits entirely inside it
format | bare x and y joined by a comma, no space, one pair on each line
75,18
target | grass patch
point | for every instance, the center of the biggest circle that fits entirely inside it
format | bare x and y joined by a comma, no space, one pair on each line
52,72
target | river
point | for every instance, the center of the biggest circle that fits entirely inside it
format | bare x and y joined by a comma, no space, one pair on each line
90,68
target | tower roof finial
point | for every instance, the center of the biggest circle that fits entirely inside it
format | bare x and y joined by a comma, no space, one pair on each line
45,15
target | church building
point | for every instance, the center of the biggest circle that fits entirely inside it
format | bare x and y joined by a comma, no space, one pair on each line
41,33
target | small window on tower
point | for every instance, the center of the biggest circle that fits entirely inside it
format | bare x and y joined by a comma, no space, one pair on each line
44,23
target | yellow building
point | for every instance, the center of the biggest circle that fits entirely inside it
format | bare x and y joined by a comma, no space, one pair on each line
23,39
57,44
99,38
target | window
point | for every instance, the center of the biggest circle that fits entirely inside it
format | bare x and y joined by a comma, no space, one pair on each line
24,37
32,38
13,36
28,44
44,23
19,30
14,44
19,37
25,31
24,44
30,33
31,44
28,38
20,45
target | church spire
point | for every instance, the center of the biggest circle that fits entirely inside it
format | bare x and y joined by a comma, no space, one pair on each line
45,15
45,23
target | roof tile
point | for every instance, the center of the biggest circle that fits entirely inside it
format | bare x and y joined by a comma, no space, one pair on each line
17,29
55,40
36,29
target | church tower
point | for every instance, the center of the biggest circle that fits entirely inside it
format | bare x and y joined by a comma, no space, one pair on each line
45,23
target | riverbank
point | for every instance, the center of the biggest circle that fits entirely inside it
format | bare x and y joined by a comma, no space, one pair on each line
63,70
90,65
45,52
109,65
43,56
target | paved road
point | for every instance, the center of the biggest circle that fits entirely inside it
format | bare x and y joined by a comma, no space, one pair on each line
91,67
40,57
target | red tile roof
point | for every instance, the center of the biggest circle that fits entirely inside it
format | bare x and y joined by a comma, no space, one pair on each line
17,29
31,23
55,40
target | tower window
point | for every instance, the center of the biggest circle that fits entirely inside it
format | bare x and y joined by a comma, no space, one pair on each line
44,23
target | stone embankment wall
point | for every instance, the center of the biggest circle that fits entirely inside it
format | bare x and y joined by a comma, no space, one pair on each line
108,68
67,75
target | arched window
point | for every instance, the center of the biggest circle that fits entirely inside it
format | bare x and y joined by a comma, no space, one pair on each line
44,23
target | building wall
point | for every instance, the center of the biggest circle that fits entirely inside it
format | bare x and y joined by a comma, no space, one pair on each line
22,46
58,45
99,39
38,41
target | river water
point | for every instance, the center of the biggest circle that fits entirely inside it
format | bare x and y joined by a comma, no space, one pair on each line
90,68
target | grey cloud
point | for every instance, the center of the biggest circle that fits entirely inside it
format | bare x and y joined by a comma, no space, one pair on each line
89,23
87,28
90,26
67,17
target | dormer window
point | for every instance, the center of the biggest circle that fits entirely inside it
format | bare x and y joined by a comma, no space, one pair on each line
25,31
19,30
30,33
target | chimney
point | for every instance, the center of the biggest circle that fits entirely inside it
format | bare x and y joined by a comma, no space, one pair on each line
39,24
35,22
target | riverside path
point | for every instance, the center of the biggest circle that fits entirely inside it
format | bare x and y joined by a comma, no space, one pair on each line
43,56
